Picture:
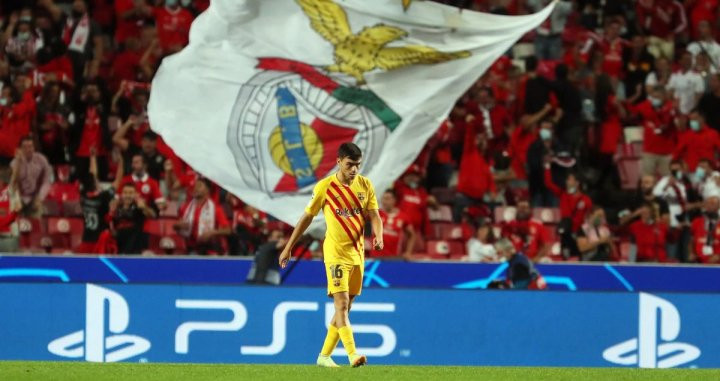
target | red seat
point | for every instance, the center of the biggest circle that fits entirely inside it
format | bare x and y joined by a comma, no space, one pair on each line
447,231
72,208
419,244
547,215
62,192
65,225
438,248
154,227
62,173
33,233
65,233
444,195
172,210
442,214
51,208
505,214
626,248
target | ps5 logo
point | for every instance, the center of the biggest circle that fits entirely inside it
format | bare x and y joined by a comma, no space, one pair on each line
92,344
658,327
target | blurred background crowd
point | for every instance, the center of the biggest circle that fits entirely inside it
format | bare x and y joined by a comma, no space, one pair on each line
595,138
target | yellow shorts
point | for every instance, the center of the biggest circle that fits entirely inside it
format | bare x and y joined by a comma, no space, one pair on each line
344,278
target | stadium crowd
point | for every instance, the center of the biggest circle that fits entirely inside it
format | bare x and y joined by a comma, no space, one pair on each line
594,139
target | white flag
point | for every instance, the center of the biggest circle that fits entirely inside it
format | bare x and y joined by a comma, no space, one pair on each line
267,90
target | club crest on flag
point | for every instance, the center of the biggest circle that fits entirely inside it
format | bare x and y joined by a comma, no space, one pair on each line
294,115
266,91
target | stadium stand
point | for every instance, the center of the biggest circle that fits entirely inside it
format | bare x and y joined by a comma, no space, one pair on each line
595,93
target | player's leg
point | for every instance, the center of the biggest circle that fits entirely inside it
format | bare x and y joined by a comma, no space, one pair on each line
336,283
342,320
342,311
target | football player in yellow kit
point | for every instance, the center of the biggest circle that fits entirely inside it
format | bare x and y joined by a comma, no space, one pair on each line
347,201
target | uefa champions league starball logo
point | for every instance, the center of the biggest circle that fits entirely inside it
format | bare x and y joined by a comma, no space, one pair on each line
288,123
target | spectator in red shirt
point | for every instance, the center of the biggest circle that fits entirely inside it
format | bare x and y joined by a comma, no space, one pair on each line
8,212
706,232
528,235
574,203
81,35
662,20
491,118
700,142
16,116
203,222
613,46
398,235
130,15
249,227
52,126
147,187
414,199
522,137
701,10
90,130
649,234
657,114
173,25
475,179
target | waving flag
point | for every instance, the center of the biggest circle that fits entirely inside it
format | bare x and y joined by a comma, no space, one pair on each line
266,91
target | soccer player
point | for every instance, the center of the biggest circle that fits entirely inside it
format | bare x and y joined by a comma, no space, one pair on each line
347,200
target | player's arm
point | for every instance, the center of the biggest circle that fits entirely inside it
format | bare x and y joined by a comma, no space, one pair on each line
313,208
373,211
299,230
377,229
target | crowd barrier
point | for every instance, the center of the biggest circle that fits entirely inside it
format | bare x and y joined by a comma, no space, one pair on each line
258,324
378,274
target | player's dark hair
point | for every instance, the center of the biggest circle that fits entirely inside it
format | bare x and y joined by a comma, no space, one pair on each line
349,150
128,184
392,192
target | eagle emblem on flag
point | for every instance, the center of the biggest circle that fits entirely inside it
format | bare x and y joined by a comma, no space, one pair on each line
298,114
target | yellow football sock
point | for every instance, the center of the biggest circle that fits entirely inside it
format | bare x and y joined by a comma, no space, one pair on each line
331,341
346,335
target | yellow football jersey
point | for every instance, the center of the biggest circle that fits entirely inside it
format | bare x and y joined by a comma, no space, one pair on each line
345,209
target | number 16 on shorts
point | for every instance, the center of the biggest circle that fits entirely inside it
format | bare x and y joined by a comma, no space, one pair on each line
336,272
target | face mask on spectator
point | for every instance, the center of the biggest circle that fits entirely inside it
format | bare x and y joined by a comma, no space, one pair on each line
185,3
597,221
700,173
655,102
3,102
545,134
695,125
171,3
27,19
572,190
412,184
23,36
678,174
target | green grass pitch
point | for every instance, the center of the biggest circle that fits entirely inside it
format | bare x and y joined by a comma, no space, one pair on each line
48,371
